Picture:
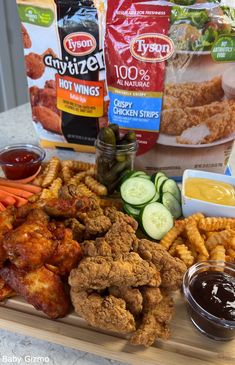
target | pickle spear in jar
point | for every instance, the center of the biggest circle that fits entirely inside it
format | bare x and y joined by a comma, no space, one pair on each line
115,155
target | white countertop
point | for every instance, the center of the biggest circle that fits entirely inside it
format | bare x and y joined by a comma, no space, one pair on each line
16,127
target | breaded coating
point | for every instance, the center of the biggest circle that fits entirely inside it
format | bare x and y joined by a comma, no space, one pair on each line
67,208
171,269
97,226
99,247
175,121
196,93
102,272
29,245
132,297
5,291
107,313
7,218
67,255
41,288
121,238
118,217
77,228
154,322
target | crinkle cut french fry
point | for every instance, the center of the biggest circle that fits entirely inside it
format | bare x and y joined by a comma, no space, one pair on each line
76,179
219,238
66,174
52,173
84,190
201,257
172,234
77,165
194,217
177,242
218,253
184,254
196,239
231,253
95,186
215,223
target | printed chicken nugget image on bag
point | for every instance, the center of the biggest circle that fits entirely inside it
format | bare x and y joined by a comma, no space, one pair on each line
64,61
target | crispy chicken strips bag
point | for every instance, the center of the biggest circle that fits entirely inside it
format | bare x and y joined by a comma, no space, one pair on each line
63,46
171,78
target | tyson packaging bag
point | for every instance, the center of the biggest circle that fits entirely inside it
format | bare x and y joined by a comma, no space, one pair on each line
63,46
171,78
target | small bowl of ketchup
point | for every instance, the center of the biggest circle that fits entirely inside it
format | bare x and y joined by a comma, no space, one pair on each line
209,288
20,161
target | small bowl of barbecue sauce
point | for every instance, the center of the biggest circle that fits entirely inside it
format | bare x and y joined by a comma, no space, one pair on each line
20,161
209,288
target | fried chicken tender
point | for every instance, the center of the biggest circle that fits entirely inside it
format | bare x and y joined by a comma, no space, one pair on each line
29,245
67,208
154,322
176,121
99,247
77,228
48,118
171,269
41,288
27,43
34,64
118,217
102,272
67,254
132,297
107,313
97,226
196,93
218,126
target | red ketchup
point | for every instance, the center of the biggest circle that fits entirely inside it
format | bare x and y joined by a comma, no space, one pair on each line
19,163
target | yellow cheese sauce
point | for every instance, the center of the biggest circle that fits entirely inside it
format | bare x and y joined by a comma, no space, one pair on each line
211,191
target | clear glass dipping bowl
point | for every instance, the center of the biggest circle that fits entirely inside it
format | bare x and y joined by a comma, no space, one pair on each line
210,325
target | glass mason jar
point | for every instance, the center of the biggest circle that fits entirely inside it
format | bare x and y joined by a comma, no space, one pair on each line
113,162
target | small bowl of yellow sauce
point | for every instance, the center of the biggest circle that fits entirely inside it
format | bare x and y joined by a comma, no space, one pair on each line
209,193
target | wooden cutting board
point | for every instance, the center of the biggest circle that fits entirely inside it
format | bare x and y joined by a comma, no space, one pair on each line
186,346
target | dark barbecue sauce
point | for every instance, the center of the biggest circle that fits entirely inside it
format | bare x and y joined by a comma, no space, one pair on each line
21,163
214,291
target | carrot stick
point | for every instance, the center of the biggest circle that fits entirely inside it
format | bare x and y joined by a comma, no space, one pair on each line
19,201
2,208
31,188
18,192
8,200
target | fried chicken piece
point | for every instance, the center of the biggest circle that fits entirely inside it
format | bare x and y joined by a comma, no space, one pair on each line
50,120
172,269
218,126
7,218
196,93
132,297
41,288
44,97
175,121
118,217
27,43
77,228
67,254
99,247
101,272
154,322
107,313
97,226
50,84
34,64
5,291
29,245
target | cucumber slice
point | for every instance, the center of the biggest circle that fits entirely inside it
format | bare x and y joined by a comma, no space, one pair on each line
172,204
134,212
138,173
170,186
156,220
156,198
147,177
160,183
156,176
137,191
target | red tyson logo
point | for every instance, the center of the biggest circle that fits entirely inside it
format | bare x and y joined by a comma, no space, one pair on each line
79,44
152,47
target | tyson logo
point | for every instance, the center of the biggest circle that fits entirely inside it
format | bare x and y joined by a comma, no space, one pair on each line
152,47
79,44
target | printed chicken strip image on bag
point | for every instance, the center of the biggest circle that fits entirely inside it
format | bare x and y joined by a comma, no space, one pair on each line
64,61
196,115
